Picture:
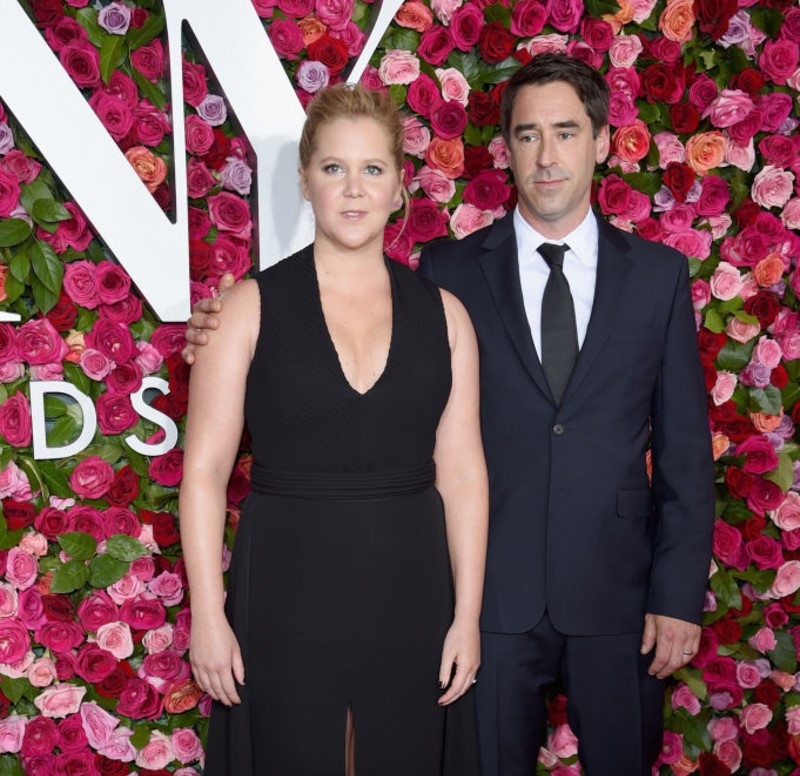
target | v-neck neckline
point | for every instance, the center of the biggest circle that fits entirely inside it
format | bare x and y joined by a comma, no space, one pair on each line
332,345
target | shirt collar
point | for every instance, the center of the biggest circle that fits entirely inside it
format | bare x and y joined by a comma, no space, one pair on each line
582,240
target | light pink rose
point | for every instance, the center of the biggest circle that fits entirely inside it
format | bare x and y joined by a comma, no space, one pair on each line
454,85
119,746
693,242
791,214
158,639
21,568
42,672
9,600
726,282
741,331
554,43
34,543
670,149
499,150
764,639
98,724
467,219
60,700
723,387
126,588
723,729
156,753
168,587
562,742
755,716
149,359
729,107
12,731
772,186
683,697
787,515
95,365
416,137
792,716
785,681
444,9
730,754
642,9
185,772
741,156
787,579
398,67
701,293
625,50
14,483
186,745
748,674
767,352
115,637
435,184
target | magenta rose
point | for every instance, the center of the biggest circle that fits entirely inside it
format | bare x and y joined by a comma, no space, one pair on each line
168,666
195,87
86,519
169,338
126,378
764,496
528,18
565,15
14,640
426,221
81,60
775,109
487,190
94,664
199,136
766,553
114,114
97,609
112,282
167,469
423,95
186,745
779,59
113,340
80,283
449,119
91,478
119,520
41,737
65,31
71,735
126,311
199,179
714,197
20,166
727,544
435,45
15,420
79,763
760,456
229,255
466,24
39,343
150,125
149,60
143,613
60,637
230,213
115,413
9,194
139,700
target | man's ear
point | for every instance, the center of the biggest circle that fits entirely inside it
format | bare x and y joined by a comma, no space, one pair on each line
603,143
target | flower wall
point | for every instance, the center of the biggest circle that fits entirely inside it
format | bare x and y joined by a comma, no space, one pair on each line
94,617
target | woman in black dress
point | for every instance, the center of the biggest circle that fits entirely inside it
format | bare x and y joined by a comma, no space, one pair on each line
350,630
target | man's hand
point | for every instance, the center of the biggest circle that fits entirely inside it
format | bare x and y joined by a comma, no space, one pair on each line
676,643
204,317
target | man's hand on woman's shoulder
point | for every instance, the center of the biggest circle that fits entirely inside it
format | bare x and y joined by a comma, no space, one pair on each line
204,317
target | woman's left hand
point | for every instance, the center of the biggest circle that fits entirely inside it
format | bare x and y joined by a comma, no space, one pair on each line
462,649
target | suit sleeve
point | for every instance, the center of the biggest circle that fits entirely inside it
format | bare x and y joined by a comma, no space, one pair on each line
683,469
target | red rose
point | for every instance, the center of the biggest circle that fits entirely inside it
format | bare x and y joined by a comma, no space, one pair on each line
94,664
435,45
678,178
109,767
47,12
749,81
483,110
775,615
495,43
426,221
738,482
764,306
662,83
219,151
487,190
58,608
238,484
728,631
113,684
557,711
597,33
331,51
63,314
779,377
663,49
179,372
713,16
78,763
201,255
711,765
449,119
476,158
767,693
125,488
51,522
18,514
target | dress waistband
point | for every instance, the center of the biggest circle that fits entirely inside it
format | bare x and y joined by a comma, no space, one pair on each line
344,486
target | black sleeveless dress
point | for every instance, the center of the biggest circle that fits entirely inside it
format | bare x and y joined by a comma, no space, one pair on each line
340,591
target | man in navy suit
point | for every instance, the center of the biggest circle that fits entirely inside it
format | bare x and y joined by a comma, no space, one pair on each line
594,575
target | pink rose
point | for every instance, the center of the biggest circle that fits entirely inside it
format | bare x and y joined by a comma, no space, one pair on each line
12,730
15,420
791,214
748,675
14,641
726,282
740,331
118,746
42,672
625,50
792,716
167,469
9,600
729,753
670,149
444,9
563,742
683,697
186,745
772,187
416,137
622,110
787,580
755,716
9,194
767,352
60,700
115,637
168,587
97,609
729,107
98,724
230,213
125,589
741,156
158,639
779,59
91,478
39,343
21,569
701,294
723,387
156,753
199,135
454,85
398,67
723,729
565,15
787,515
80,283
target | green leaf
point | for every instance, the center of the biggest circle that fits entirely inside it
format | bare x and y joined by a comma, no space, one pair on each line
649,113
47,267
766,400
125,548
49,211
78,545
646,182
497,13
152,28
398,93
10,539
72,576
105,570
13,231
500,72
783,476
713,321
14,289
13,689
466,63
30,192
55,478
596,8
769,20
746,317
20,266
64,431
10,766
78,377
112,55
735,355
141,735
87,18
693,681
726,589
405,39
789,395
694,728
150,90
45,299
785,653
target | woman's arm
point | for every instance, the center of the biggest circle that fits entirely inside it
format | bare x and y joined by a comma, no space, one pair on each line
462,481
213,430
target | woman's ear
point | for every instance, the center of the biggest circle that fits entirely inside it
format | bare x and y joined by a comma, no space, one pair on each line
301,172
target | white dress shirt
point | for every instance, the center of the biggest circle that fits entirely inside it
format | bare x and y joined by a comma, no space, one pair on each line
580,269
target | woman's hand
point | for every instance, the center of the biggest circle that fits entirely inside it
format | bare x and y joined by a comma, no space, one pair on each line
462,649
216,659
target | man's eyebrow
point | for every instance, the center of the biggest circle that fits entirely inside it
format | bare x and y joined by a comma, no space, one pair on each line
566,124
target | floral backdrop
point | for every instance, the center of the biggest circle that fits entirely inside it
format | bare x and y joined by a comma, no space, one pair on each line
94,616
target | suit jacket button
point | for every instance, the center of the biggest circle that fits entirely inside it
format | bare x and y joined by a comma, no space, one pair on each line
558,429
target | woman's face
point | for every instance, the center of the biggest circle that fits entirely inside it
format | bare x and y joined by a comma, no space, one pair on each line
352,183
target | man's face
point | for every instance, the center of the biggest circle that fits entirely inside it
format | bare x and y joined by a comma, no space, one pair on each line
553,156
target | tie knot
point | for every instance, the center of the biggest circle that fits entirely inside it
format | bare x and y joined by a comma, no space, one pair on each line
553,254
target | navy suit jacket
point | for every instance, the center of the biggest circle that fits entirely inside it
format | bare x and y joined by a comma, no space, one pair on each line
575,526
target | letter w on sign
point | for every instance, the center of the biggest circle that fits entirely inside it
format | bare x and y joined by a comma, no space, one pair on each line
153,249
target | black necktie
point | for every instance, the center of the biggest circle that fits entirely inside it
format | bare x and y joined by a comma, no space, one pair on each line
559,334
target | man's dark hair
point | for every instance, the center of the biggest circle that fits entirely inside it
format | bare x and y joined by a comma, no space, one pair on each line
549,68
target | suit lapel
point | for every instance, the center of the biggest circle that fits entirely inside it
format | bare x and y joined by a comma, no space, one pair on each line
613,273
501,268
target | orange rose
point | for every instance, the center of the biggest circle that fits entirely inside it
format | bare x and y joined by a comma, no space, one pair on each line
765,423
312,29
619,19
632,143
415,16
77,344
769,270
705,151
677,20
150,168
447,156
182,696
719,445
3,273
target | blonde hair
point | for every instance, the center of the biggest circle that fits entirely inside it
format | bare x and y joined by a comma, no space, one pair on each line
345,101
